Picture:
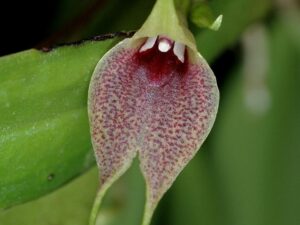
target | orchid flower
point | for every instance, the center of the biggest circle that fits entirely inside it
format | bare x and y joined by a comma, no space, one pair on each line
155,96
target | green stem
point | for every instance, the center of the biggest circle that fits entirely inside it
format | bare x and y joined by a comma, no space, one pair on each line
148,212
149,208
96,206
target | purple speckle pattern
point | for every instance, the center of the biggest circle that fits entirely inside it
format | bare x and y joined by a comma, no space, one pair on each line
164,122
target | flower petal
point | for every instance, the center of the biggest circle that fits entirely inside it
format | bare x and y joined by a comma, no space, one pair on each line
112,114
152,102
177,118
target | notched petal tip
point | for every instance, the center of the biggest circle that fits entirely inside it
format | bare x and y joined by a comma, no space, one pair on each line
165,123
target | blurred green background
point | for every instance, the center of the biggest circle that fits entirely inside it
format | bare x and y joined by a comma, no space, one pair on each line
247,172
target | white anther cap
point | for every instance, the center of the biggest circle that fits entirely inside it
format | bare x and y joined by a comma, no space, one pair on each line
164,44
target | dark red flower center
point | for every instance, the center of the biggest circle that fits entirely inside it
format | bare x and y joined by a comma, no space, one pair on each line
160,62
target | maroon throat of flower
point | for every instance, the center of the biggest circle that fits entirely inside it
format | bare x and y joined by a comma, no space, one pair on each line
163,58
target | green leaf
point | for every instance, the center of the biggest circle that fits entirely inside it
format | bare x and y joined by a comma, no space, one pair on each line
44,132
68,206
71,204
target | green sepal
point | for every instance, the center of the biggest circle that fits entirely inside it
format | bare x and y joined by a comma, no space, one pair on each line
166,20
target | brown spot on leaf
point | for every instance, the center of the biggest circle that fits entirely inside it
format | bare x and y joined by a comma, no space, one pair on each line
50,176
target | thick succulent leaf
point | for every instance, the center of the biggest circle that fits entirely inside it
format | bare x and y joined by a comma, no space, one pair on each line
44,138
149,104
71,204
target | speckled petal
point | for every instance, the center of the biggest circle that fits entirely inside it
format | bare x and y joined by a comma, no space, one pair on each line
179,117
112,112
150,102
